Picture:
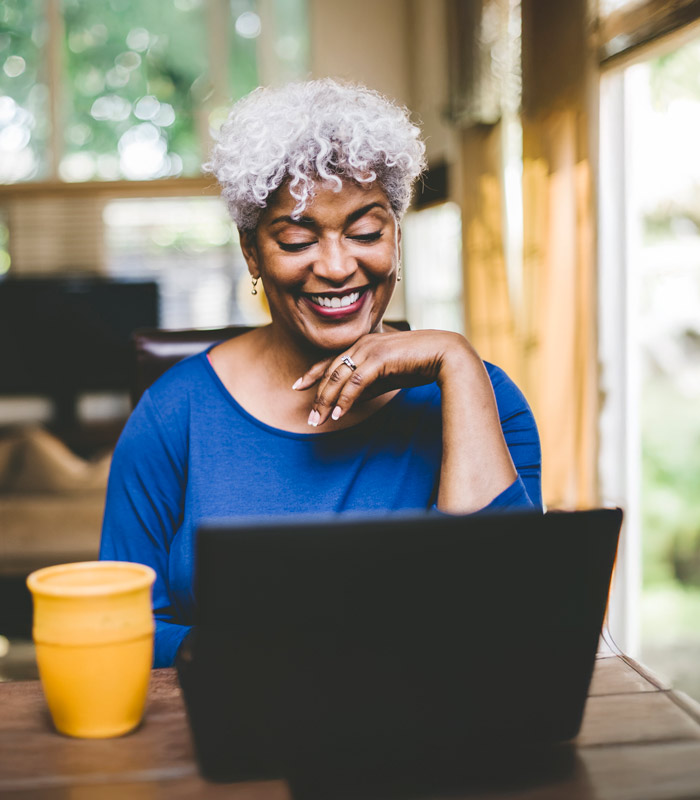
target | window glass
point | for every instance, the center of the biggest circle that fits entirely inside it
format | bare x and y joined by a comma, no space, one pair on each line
245,29
663,99
136,88
291,39
24,122
189,246
137,73
432,255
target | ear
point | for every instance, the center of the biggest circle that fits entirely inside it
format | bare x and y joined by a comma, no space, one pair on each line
398,240
249,247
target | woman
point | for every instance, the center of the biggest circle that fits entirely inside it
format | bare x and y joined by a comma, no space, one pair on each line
327,408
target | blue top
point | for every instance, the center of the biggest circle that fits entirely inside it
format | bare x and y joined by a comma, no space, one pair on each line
190,452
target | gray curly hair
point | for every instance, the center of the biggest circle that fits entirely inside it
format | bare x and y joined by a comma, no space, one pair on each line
303,132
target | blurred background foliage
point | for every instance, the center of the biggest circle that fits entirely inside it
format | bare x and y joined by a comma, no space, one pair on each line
669,334
24,101
138,73
132,89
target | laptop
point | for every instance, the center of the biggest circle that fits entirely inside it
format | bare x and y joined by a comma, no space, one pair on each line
376,642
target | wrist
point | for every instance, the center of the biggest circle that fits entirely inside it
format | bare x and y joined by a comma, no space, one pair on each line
460,365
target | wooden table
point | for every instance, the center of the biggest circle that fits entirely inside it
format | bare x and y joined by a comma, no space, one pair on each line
639,741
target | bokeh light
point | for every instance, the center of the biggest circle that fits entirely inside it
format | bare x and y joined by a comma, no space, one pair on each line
248,25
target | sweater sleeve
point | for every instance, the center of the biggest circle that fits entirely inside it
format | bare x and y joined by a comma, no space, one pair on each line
143,511
520,432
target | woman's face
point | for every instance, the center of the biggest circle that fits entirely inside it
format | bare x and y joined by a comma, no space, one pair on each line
328,275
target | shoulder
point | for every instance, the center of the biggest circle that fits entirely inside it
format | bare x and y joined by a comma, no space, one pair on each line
189,383
192,373
161,416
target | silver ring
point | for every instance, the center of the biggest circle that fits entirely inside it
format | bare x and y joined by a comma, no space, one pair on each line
349,362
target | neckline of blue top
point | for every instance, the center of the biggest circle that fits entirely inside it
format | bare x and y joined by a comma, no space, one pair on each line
366,424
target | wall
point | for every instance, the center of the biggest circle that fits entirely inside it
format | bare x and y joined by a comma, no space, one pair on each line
362,40
398,47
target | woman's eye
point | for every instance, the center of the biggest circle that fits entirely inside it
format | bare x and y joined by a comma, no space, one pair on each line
366,237
294,247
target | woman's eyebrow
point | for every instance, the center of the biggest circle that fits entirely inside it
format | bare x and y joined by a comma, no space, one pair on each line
305,222
360,212
310,222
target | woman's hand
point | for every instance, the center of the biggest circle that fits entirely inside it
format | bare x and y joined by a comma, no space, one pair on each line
476,464
383,362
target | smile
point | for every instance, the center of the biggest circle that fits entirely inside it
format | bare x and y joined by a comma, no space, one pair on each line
337,305
337,301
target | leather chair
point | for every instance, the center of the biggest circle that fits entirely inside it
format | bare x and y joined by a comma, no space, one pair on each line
156,350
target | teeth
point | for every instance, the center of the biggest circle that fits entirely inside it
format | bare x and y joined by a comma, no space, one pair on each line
336,302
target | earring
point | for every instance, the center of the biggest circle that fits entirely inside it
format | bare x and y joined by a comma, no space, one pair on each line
398,274
255,283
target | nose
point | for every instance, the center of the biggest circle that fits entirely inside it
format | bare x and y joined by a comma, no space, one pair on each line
335,264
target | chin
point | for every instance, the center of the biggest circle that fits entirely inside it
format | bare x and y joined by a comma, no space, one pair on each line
339,339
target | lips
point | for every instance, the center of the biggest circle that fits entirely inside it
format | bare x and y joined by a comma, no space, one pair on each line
336,303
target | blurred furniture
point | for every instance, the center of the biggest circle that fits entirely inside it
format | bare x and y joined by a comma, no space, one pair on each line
639,741
70,335
51,501
63,336
155,350
51,505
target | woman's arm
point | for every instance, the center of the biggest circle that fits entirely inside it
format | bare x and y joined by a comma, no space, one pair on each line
143,510
476,464
477,469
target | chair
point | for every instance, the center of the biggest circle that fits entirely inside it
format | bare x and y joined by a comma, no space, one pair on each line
156,350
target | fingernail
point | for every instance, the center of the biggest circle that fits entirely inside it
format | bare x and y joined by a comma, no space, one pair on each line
314,417
297,383
337,411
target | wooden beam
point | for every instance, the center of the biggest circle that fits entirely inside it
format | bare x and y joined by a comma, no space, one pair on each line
631,28
163,187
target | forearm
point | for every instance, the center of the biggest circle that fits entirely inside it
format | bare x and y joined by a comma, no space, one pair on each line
476,464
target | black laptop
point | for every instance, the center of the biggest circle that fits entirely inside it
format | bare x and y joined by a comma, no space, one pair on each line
377,642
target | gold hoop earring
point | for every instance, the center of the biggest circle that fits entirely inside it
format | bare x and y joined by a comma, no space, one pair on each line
255,283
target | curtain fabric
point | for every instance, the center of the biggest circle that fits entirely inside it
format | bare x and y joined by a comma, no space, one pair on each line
536,315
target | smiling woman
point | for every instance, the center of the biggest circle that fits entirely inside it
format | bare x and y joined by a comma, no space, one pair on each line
317,177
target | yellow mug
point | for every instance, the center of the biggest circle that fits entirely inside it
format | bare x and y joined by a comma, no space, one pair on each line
93,630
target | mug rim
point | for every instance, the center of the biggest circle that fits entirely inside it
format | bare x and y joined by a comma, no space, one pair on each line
143,576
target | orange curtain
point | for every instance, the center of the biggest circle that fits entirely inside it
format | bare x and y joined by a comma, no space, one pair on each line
544,332
560,362
490,316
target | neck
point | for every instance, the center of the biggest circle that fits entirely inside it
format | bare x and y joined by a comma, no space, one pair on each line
286,357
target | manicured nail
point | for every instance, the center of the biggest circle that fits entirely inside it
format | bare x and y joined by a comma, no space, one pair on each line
297,383
337,411
314,418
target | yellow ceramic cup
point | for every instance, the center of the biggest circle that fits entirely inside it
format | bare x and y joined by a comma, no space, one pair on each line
93,630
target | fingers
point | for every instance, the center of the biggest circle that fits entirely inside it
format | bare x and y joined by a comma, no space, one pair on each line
308,379
383,362
332,375
339,388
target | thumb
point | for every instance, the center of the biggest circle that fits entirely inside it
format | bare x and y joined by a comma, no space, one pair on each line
312,376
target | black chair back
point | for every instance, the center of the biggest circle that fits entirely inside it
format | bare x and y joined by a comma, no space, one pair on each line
156,350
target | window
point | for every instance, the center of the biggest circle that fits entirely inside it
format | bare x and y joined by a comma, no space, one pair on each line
189,246
101,98
125,89
432,245
650,223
